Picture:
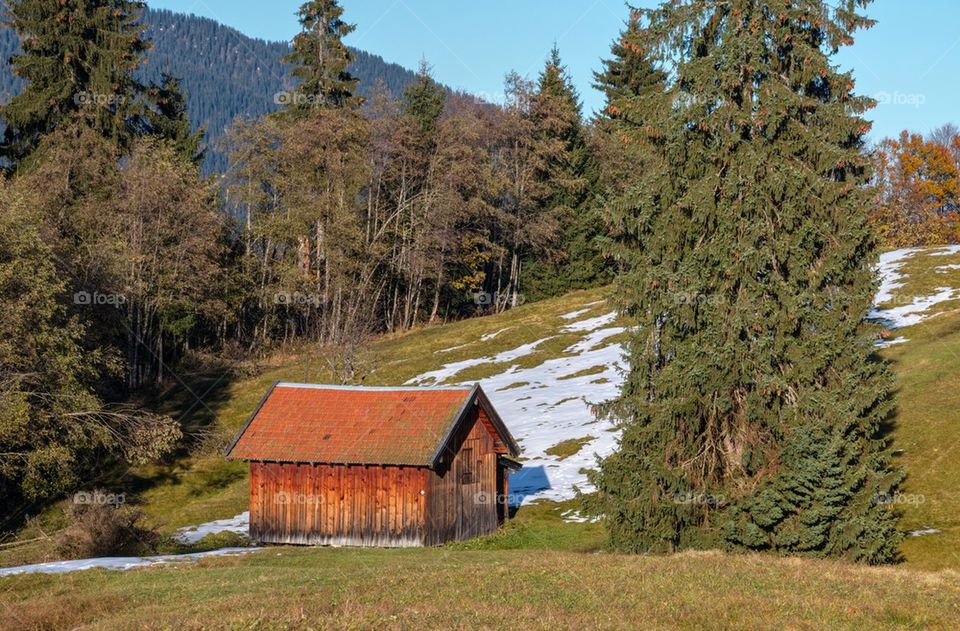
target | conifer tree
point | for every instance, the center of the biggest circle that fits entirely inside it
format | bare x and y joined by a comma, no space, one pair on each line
77,57
424,99
628,76
169,119
321,58
753,412
628,73
564,180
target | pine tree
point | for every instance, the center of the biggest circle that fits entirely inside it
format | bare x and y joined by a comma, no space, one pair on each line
321,58
565,179
169,119
629,73
78,56
424,99
753,412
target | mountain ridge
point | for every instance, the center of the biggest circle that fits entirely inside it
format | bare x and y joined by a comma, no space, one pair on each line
226,74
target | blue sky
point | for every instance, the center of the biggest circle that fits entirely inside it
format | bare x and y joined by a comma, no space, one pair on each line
910,60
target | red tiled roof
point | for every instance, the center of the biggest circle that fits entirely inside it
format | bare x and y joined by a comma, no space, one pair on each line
350,425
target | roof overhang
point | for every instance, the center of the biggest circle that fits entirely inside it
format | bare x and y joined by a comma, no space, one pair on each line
246,425
510,462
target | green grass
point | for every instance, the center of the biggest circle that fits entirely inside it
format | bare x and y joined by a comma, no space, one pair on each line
927,437
456,588
927,419
593,370
541,526
570,447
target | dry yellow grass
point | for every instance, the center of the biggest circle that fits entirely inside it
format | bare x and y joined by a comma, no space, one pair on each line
442,588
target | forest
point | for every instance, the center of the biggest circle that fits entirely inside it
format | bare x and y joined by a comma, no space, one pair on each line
225,75
341,211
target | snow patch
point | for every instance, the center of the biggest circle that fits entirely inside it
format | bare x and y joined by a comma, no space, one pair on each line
239,524
575,314
489,336
591,324
914,312
549,407
594,339
923,532
575,516
449,370
892,342
889,272
119,563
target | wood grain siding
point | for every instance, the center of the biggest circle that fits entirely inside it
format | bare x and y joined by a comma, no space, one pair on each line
447,492
317,504
462,490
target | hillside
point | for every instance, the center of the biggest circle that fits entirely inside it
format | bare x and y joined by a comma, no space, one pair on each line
225,73
922,300
544,365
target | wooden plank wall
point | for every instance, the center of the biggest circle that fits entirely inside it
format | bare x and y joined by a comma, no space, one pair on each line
457,511
360,505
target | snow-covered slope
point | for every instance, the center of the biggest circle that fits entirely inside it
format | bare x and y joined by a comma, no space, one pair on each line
896,311
552,402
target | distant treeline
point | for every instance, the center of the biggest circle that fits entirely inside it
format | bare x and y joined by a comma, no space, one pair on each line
224,73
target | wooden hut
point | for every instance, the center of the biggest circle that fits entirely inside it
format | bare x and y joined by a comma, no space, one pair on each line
342,465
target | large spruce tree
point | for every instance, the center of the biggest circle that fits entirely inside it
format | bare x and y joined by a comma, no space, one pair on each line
321,58
753,412
77,57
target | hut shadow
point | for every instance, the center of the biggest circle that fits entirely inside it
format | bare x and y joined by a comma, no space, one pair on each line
194,398
527,481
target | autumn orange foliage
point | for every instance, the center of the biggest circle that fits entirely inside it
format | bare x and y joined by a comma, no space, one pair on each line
918,189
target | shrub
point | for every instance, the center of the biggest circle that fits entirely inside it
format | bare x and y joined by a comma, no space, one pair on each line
101,529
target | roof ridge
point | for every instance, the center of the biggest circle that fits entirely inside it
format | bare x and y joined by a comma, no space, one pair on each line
324,386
